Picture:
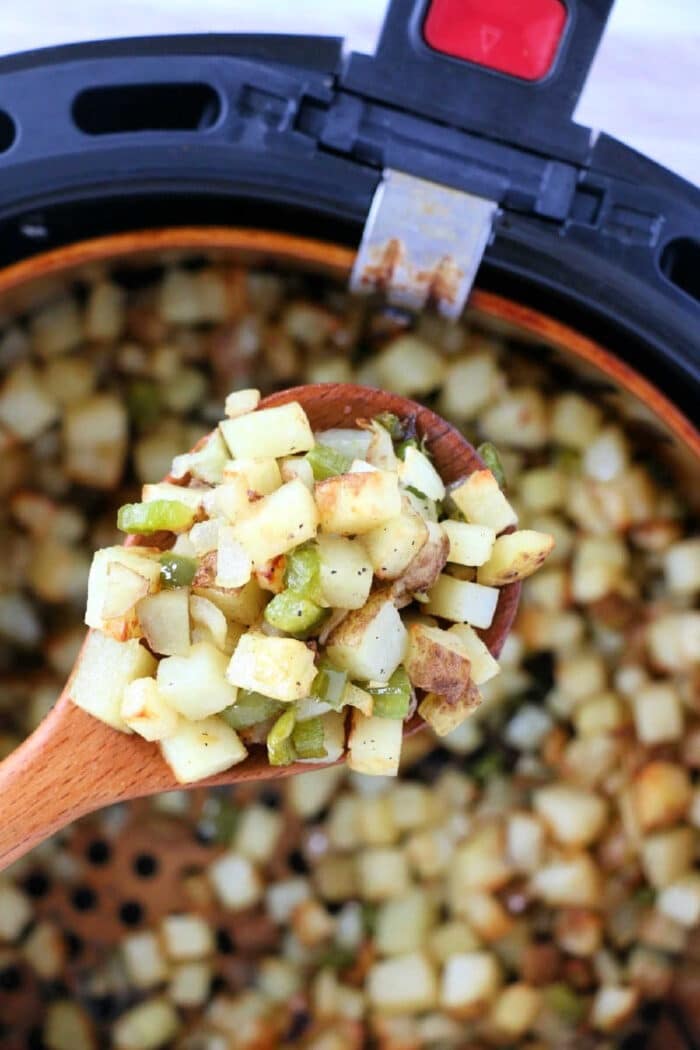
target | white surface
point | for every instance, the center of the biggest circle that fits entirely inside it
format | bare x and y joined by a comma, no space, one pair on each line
644,87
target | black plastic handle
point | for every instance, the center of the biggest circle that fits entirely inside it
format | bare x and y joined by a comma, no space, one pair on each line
407,73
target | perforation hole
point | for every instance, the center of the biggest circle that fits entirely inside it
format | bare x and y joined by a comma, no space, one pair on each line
145,865
680,264
83,898
124,108
8,131
131,913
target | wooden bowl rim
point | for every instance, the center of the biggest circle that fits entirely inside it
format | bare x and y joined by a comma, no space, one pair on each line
337,260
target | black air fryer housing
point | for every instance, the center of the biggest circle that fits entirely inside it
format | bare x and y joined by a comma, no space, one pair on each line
286,133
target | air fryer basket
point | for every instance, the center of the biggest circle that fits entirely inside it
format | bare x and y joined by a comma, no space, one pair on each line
124,869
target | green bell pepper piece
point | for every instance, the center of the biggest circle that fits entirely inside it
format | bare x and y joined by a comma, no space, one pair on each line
280,746
307,738
250,708
393,699
326,462
176,570
162,515
329,684
302,572
293,614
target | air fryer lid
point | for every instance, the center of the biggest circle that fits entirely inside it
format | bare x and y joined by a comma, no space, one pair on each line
473,99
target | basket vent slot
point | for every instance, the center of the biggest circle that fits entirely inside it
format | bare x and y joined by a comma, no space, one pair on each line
124,108
8,131
680,264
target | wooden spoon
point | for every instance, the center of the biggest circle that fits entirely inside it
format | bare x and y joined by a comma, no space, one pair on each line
73,764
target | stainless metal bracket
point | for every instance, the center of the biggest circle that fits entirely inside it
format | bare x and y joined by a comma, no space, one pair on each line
422,243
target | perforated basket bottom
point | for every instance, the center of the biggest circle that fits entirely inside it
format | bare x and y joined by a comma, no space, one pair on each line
121,871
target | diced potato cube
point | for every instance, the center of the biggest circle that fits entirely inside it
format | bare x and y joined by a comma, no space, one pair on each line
394,544
166,490
260,475
417,471
27,406
382,873
581,674
104,312
486,915
680,900
480,863
575,421
528,727
658,713
666,856
312,924
269,433
346,572
15,911
143,959
574,817
481,501
278,522
95,434
452,938
240,402
579,931
674,640
285,895
206,462
410,367
104,669
67,1026
469,544
520,418
515,1011
607,456
146,712
202,749
525,841
574,882
56,328
165,622
515,557
599,564
236,881
682,566
374,745
355,503
483,665
470,982
195,685
662,793
190,983
542,489
375,820
45,950
471,383
601,714
147,1026
403,924
404,985
186,937
445,717
436,661
282,668
257,833
613,1006
309,793
370,643
462,601
411,805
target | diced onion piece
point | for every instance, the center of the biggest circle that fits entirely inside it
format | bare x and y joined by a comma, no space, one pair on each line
350,442
165,490
202,749
481,501
236,882
145,710
205,615
462,601
241,402
205,463
123,589
470,981
271,432
281,668
297,468
682,566
417,471
233,563
165,621
613,1006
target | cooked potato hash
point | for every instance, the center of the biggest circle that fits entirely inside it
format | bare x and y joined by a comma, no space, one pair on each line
531,882
275,605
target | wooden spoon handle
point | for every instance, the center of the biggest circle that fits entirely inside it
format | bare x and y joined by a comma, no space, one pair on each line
65,768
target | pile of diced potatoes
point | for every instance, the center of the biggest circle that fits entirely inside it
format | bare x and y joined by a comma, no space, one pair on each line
532,880
307,577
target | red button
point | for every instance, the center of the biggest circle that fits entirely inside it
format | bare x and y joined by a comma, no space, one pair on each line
519,37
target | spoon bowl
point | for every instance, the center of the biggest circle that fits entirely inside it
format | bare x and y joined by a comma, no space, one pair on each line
73,764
